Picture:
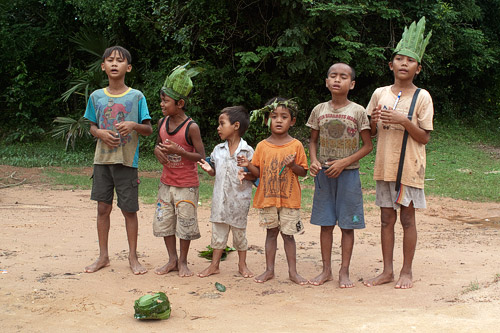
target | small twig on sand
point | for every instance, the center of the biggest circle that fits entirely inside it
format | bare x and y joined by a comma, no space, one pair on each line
19,182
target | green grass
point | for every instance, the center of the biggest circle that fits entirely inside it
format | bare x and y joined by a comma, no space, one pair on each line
458,165
473,286
44,154
68,179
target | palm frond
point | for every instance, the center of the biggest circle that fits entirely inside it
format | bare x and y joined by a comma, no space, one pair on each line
70,129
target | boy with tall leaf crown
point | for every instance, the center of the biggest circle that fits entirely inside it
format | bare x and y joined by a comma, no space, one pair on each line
401,119
179,147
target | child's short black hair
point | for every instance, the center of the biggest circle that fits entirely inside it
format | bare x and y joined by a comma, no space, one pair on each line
123,52
238,114
288,104
353,72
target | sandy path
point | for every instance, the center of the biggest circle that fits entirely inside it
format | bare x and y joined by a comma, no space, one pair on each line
48,237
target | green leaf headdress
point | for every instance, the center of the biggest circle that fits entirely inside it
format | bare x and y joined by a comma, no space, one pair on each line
178,84
412,43
261,113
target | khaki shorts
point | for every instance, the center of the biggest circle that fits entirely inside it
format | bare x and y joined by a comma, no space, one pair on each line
387,196
220,234
286,219
176,212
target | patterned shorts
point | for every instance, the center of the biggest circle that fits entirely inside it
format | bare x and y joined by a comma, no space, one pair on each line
176,212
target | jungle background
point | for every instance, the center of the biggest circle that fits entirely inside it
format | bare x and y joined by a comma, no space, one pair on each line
251,51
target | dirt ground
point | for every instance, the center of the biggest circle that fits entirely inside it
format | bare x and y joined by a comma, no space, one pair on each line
48,236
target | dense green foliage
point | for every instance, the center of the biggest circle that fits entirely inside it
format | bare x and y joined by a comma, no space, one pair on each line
252,51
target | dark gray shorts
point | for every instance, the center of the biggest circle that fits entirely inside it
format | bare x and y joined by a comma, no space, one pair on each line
110,177
338,200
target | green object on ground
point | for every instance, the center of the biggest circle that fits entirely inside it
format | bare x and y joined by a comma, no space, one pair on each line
220,287
154,306
207,254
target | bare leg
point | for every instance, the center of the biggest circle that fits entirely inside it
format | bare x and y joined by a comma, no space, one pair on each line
184,270
242,265
103,223
388,217
408,222
271,246
326,241
171,265
214,265
291,258
347,245
132,226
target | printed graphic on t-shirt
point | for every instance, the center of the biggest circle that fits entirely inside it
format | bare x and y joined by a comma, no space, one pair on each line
174,161
112,115
276,185
338,137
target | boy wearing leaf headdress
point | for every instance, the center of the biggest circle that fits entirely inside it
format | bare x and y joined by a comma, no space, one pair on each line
400,160
278,161
179,147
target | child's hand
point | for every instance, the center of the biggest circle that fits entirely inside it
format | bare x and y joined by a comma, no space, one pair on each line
161,154
125,127
375,116
335,168
241,175
170,147
314,168
109,137
290,160
242,161
389,116
205,166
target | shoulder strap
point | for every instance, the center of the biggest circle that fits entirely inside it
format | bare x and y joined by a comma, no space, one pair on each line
160,123
188,140
162,120
405,139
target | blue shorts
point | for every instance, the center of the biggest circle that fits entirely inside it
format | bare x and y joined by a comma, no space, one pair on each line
338,199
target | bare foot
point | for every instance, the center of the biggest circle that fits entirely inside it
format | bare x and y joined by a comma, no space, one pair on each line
97,265
267,275
136,267
298,279
405,281
184,271
168,267
245,272
381,279
210,270
344,281
322,278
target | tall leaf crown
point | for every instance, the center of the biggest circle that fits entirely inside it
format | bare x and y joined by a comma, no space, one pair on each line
178,84
412,43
